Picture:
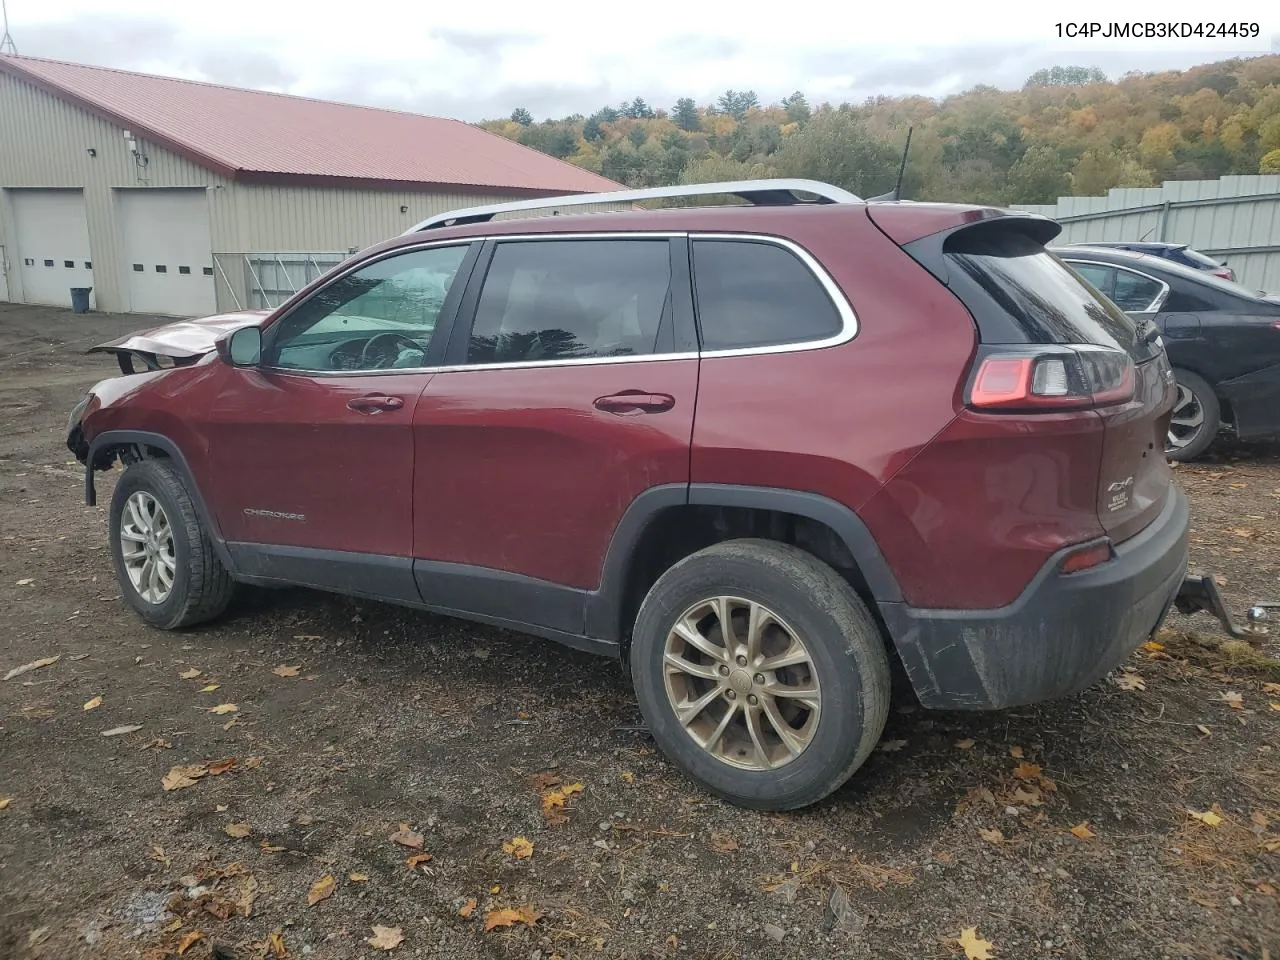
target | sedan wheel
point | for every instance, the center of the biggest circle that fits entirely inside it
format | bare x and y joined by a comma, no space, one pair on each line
1188,419
1195,419
146,546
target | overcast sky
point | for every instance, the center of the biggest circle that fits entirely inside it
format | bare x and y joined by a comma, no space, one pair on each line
477,59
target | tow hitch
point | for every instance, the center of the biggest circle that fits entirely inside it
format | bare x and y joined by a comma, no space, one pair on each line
1201,593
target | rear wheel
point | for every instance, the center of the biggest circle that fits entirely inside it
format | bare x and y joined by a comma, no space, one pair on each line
165,563
1196,418
760,673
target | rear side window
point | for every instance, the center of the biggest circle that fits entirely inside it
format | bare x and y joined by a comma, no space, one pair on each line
753,293
573,299
1043,298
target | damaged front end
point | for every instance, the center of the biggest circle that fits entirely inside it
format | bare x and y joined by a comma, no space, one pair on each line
1199,593
177,344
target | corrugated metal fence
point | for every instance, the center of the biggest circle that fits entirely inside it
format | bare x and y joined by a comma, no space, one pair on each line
1236,219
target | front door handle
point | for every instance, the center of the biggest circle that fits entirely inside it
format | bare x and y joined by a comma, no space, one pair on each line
635,401
374,404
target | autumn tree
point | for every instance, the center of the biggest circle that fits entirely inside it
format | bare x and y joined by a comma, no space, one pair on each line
1058,76
736,103
521,116
835,147
797,107
1038,176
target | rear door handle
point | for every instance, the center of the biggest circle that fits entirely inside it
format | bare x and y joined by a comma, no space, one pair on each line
635,401
374,404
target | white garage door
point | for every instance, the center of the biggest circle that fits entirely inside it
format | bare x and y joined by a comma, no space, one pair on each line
167,255
53,244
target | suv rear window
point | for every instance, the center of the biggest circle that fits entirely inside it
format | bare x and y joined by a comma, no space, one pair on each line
753,293
1044,300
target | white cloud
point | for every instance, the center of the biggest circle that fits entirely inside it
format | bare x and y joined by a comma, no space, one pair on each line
475,60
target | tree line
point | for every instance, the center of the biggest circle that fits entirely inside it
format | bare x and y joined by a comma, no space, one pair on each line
1068,131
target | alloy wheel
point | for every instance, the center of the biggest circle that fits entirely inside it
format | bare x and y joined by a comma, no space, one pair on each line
146,546
1188,419
742,683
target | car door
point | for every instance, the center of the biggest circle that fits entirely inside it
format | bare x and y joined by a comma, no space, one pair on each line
569,394
311,451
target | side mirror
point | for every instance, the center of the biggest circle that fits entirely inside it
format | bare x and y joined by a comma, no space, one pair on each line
243,348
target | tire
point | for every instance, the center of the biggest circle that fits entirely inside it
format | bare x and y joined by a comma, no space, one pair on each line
1195,395
808,600
201,587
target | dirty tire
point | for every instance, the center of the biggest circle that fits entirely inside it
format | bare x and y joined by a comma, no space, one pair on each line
1212,411
202,587
844,643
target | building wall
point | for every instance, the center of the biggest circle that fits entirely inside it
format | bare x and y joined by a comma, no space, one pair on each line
1235,219
45,142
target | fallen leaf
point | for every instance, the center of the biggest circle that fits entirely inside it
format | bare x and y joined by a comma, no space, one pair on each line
93,704
189,674
220,767
1082,831
553,802
121,731
220,808
1259,819
237,830
4,802
33,665
628,777
544,781
1153,646
415,860
159,856
224,708
991,836
966,744
358,878
1027,771
507,917
520,848
723,843
407,838
1015,752
468,908
1208,817
891,746
210,688
266,847
1026,797
83,656
1271,688
183,775
307,636
1130,681
1232,699
322,889
189,941
252,763
39,711
1247,533
974,947
385,938
286,671
26,581
275,944
1275,706
1203,729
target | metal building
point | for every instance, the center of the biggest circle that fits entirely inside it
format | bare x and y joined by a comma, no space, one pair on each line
1235,219
173,197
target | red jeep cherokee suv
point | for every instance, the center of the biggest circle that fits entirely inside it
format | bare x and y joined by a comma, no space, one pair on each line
756,451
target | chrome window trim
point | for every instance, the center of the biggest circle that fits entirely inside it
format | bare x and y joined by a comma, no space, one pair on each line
848,319
1154,306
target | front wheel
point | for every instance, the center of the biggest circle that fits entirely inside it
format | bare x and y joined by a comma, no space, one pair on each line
1195,420
165,563
760,672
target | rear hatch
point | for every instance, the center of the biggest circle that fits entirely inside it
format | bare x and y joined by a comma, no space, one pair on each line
1050,342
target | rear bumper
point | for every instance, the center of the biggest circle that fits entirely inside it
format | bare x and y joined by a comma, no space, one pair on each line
1061,635
1255,402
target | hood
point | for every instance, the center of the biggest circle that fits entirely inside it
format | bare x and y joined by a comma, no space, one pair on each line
184,339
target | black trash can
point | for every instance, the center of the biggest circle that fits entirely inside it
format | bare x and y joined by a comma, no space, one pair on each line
80,299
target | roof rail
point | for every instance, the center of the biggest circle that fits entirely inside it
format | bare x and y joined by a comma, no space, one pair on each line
782,192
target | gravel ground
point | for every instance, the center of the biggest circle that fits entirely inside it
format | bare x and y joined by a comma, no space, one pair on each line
364,737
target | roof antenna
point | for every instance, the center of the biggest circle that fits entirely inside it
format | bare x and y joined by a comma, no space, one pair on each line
6,40
896,192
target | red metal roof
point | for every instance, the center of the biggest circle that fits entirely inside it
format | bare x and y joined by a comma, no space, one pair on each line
259,136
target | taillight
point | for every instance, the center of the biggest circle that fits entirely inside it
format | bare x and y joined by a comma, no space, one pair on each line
1054,378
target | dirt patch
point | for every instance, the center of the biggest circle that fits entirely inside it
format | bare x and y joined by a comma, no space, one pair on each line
402,724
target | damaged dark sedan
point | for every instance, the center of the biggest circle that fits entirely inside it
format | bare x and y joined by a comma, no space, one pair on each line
1222,339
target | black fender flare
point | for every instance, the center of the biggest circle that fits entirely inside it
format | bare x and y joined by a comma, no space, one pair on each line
120,438
604,605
